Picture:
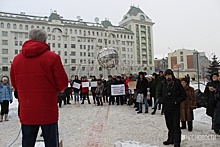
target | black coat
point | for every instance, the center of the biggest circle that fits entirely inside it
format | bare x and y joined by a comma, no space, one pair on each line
172,95
210,99
153,88
142,86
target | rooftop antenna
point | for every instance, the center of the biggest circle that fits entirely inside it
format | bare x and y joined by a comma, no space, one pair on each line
96,20
78,17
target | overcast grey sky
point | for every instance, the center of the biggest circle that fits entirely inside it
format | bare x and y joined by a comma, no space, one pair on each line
189,24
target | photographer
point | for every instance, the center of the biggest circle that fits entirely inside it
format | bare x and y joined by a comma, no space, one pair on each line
172,94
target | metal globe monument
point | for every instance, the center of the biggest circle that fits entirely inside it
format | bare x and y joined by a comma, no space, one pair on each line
108,58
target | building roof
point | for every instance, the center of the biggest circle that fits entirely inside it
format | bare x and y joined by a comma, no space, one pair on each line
133,11
106,23
54,16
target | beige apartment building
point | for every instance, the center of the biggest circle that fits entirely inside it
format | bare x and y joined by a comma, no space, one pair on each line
79,42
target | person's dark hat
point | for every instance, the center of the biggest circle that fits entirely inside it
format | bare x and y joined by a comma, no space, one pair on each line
141,73
154,74
214,74
184,79
168,72
109,76
118,77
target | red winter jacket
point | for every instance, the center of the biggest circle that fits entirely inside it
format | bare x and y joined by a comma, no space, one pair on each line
85,89
38,75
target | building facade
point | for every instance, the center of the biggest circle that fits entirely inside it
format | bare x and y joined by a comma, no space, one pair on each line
184,61
142,26
161,64
76,41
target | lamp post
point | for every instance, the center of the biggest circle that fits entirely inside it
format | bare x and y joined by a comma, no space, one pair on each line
197,64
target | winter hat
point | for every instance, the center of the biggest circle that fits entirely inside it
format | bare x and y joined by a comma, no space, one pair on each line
214,74
141,73
184,79
4,78
168,72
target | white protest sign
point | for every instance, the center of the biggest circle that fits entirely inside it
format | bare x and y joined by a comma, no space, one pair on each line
76,85
94,84
85,84
118,89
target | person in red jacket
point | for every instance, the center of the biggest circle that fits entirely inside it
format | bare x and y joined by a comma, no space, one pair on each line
85,91
38,75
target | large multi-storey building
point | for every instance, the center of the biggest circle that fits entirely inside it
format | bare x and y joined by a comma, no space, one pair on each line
79,42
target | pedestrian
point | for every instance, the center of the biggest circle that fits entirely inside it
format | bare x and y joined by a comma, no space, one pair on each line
119,98
93,89
172,94
142,85
213,100
5,97
99,92
108,86
85,91
187,106
76,90
38,75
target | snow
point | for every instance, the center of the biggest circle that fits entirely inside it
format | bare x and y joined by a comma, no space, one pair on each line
109,126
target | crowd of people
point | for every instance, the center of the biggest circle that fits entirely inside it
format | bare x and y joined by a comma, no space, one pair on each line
38,78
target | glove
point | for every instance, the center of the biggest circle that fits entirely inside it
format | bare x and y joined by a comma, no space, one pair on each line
10,101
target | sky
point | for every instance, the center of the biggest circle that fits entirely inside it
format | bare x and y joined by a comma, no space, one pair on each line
188,24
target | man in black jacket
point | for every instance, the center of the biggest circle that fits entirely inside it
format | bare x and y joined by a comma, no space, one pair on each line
142,85
172,94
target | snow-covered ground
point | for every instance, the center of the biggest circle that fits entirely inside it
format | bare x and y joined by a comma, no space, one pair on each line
110,126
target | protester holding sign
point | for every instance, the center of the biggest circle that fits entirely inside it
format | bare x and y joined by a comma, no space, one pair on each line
108,86
99,92
76,81
119,97
85,90
93,89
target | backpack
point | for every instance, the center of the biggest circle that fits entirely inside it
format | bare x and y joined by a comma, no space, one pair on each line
200,99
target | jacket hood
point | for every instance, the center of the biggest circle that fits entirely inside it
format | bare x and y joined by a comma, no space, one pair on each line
213,75
34,48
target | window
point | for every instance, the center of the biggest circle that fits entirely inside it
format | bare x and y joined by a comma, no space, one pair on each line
71,31
123,56
8,26
123,43
32,26
73,68
84,54
181,53
100,68
92,54
49,44
48,29
16,52
131,50
59,52
4,60
81,60
26,35
73,46
65,45
20,27
65,61
2,25
92,47
88,54
65,53
80,53
53,44
43,27
97,33
80,46
73,38
123,49
20,35
4,51
127,49
58,45
20,43
49,37
75,31
73,53
83,68
73,60
58,37
4,42
53,37
14,26
38,27
4,33
181,58
26,27
4,68
80,32
84,46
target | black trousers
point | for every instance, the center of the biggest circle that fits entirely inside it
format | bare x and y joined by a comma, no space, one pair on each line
172,118
84,95
49,131
4,107
66,97
119,98
111,100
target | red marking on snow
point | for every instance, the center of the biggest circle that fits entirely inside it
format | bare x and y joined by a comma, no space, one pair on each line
95,134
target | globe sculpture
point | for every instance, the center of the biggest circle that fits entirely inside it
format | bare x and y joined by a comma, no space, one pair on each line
108,58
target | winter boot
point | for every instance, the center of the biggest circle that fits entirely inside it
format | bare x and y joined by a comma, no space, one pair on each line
6,117
183,125
1,118
190,126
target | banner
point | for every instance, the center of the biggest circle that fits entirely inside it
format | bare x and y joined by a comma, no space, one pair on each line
94,84
118,89
76,85
85,84
132,85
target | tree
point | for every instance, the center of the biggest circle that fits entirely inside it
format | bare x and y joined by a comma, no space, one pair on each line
214,65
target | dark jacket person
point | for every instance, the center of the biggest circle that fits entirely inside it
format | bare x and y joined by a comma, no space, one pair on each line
172,94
